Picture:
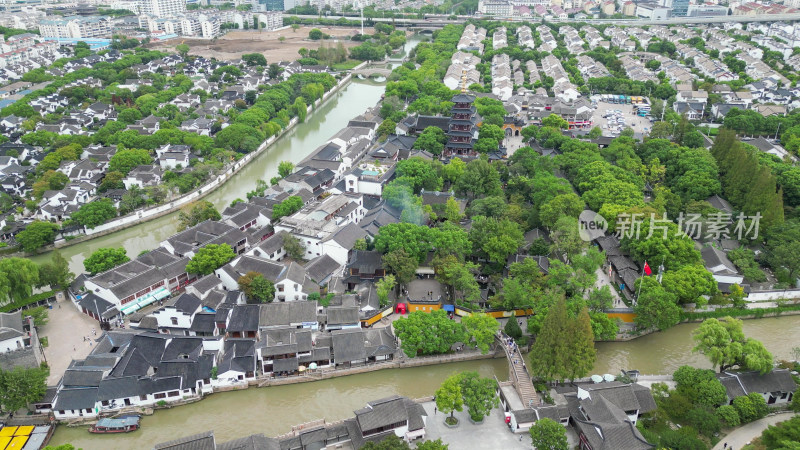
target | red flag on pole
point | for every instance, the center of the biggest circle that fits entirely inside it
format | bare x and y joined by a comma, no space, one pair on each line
647,270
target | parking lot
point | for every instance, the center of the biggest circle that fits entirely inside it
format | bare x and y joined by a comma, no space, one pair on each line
613,118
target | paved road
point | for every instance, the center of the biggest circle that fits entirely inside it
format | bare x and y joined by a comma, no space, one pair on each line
744,434
66,327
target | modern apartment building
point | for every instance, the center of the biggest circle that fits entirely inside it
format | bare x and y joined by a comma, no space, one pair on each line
76,27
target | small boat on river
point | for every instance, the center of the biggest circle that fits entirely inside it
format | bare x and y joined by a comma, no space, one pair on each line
123,424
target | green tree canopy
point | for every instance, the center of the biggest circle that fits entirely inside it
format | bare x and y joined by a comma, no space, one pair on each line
256,288
104,259
725,345
210,258
449,397
423,333
655,307
496,239
481,328
689,282
564,347
287,207
36,235
55,273
479,395
95,213
197,212
547,434
18,276
125,160
285,168
432,139
20,387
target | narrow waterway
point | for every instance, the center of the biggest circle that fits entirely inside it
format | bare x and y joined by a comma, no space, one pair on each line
273,410
665,351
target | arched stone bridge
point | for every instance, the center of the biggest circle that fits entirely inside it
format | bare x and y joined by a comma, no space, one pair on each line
368,72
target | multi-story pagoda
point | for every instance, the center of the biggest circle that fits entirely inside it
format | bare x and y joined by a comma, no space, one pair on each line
462,130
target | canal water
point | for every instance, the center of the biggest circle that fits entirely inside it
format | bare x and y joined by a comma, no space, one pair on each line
665,351
273,410
294,146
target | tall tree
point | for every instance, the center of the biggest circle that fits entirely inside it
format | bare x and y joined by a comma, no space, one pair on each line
384,287
104,259
449,397
547,434
256,288
478,180
95,213
401,264
285,168
479,395
197,212
56,273
482,328
548,356
36,235
495,238
582,354
210,258
18,276
512,328
20,387
294,249
655,307
428,333
725,345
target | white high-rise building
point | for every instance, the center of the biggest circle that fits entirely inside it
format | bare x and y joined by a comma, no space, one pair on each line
76,27
162,8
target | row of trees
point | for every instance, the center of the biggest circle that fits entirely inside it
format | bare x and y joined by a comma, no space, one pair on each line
467,389
433,333
699,406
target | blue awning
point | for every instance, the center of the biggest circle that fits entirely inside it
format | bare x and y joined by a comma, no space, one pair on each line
450,308
141,302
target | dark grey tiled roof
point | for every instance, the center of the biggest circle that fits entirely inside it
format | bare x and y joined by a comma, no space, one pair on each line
365,261
187,303
244,318
380,413
73,399
348,235
742,383
322,267
203,323
348,345
285,365
342,316
286,313
202,441
119,388
270,245
75,378
252,442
